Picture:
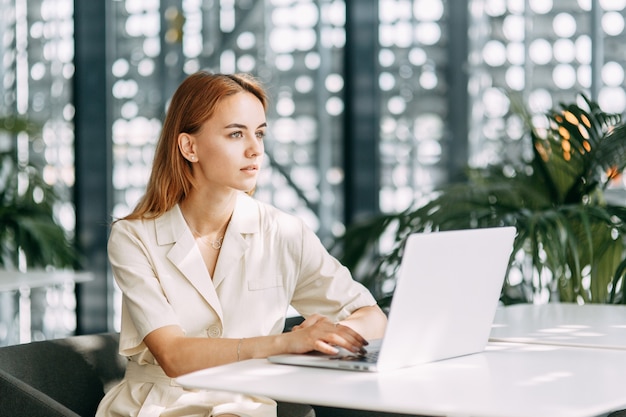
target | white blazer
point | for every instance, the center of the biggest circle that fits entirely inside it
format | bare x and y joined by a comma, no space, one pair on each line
268,260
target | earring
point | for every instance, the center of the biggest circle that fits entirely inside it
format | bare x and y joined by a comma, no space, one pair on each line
193,157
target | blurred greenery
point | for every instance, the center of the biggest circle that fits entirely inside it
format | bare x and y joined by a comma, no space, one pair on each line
570,241
27,221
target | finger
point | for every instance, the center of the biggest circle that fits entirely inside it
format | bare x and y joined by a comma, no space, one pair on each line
337,338
338,344
310,321
351,335
326,348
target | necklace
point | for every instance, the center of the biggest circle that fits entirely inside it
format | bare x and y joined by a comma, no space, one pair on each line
215,244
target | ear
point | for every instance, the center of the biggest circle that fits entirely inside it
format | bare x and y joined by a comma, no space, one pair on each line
187,147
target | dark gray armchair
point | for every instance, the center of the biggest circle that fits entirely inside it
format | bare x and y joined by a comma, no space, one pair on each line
68,377
65,377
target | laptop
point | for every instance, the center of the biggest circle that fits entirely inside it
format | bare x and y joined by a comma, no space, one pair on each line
447,291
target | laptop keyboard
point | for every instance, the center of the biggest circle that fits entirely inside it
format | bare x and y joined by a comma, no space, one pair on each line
369,357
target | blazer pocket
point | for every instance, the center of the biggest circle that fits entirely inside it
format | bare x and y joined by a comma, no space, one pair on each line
265,283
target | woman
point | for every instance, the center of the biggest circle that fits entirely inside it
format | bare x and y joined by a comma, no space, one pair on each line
207,273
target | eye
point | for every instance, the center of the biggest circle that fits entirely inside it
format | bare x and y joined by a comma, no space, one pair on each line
260,134
236,134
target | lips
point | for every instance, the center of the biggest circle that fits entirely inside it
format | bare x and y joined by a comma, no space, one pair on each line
250,168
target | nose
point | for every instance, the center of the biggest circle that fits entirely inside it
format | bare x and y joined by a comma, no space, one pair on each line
255,147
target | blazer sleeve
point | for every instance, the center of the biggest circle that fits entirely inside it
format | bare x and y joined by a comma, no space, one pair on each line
144,305
325,286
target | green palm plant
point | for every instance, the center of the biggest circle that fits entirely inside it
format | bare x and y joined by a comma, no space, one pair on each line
570,241
29,233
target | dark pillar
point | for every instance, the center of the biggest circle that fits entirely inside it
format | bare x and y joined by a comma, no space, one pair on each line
362,111
597,49
92,162
458,95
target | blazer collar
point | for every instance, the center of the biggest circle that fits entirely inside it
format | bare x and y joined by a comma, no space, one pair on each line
246,218
244,221
171,228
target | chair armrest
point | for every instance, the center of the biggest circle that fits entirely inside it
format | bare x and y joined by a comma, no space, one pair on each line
21,400
292,321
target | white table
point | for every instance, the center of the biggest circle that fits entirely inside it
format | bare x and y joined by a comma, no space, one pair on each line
24,282
15,280
507,380
566,324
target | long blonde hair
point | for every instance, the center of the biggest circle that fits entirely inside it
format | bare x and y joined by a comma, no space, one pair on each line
193,103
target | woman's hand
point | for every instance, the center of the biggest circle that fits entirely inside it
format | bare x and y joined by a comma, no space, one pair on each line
178,354
321,334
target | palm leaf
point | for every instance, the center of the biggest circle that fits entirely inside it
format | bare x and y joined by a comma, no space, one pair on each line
27,216
610,155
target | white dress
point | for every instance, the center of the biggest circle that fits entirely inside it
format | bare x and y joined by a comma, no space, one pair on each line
269,260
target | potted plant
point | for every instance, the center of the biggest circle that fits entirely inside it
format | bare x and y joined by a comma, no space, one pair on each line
570,240
30,236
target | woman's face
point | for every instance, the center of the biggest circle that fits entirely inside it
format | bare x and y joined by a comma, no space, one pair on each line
228,149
